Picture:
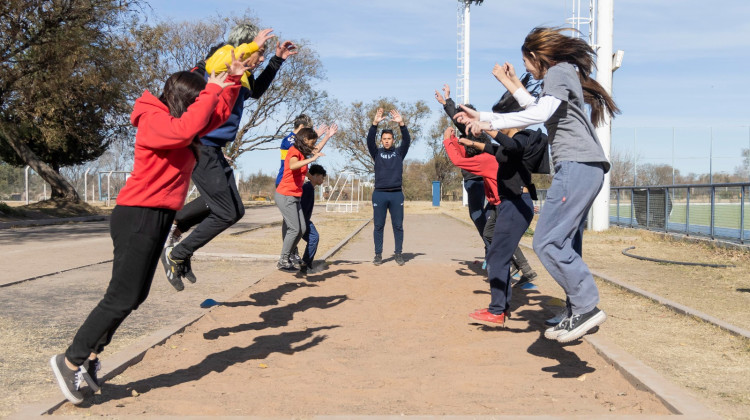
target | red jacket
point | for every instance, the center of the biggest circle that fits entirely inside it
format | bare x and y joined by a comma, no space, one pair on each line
483,164
163,161
292,180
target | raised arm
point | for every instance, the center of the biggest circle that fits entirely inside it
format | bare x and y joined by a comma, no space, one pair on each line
371,146
403,148
330,132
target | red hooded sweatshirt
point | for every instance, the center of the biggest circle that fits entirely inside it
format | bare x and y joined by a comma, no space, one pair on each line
483,164
163,161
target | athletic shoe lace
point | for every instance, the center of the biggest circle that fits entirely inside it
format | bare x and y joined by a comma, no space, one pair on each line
79,379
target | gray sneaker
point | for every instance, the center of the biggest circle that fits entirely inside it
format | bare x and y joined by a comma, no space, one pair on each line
89,372
378,259
399,259
579,325
285,265
68,380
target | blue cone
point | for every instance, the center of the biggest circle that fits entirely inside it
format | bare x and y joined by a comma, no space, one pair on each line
209,303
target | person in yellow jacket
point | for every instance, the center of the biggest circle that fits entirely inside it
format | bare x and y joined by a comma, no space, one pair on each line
219,205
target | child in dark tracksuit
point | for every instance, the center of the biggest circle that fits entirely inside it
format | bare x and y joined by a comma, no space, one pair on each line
316,174
165,154
388,196
518,156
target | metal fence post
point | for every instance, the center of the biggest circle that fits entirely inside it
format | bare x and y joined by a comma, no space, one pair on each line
666,209
713,208
742,215
687,212
27,183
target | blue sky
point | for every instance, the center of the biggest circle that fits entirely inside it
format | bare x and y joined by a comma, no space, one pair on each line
684,66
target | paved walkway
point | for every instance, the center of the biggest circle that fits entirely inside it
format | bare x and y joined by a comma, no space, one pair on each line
363,340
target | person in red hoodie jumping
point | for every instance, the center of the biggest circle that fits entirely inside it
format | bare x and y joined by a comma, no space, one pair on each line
165,153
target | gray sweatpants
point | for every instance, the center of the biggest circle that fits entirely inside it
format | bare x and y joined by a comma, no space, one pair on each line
294,220
569,198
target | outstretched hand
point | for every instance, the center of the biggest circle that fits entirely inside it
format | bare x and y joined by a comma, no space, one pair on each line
466,115
395,116
332,130
263,36
439,97
378,117
237,67
476,127
219,79
321,129
286,49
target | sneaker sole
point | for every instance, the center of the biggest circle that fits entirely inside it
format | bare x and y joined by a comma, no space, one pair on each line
583,329
487,323
61,382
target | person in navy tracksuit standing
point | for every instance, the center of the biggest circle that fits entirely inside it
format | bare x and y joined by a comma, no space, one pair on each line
388,195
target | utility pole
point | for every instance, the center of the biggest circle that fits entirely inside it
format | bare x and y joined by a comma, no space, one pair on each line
463,18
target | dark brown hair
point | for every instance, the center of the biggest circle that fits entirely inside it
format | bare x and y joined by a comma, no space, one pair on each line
180,91
545,47
303,136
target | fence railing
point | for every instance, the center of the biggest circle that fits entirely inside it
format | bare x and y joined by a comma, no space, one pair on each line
717,211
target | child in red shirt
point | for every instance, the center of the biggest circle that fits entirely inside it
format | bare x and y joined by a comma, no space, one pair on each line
289,191
168,128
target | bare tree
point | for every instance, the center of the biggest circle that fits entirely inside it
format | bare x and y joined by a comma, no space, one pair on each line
181,45
356,121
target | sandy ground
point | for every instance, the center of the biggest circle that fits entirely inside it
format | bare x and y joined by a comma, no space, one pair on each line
713,364
360,339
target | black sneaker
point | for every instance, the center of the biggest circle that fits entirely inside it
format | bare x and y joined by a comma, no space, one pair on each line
172,268
378,259
188,271
89,373
285,265
67,379
399,259
303,269
578,325
526,278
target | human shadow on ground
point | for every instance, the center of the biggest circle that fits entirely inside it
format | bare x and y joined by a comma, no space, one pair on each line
269,297
263,346
325,275
278,317
407,256
530,306
471,268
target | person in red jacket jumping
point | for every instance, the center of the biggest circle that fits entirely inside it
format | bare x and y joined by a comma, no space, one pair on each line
165,153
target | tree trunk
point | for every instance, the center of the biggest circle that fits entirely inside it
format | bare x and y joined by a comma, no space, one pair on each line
61,188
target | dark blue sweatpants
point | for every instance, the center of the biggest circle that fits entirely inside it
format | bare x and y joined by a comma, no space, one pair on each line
514,216
475,194
383,202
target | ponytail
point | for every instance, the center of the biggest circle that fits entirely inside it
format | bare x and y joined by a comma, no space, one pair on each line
545,47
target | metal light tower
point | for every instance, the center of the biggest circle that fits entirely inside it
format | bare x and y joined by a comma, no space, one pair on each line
600,23
463,18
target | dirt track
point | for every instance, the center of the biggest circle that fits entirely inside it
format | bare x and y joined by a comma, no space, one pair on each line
359,339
